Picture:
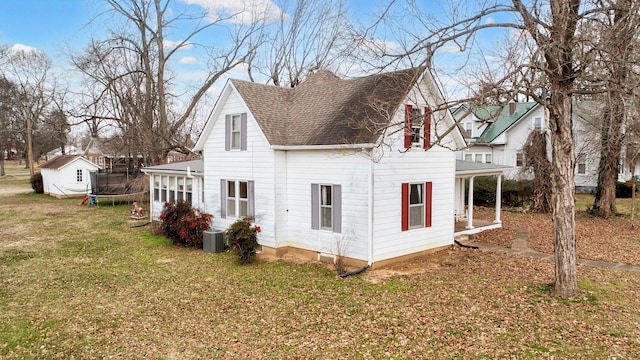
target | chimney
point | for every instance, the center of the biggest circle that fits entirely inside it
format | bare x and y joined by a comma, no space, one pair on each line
512,108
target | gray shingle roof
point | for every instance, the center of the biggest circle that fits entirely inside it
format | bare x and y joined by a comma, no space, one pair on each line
327,110
59,161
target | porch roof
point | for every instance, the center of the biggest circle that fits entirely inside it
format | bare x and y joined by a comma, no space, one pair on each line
471,168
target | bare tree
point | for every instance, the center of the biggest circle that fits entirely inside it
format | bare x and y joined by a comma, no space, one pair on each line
29,71
308,35
132,69
620,28
7,102
554,54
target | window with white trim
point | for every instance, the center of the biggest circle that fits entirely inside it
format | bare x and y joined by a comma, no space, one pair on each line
417,121
79,175
582,165
520,159
237,198
537,123
487,158
326,207
468,157
479,158
468,128
236,132
416,205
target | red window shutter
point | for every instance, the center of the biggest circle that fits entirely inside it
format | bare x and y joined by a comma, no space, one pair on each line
427,203
408,114
405,206
427,128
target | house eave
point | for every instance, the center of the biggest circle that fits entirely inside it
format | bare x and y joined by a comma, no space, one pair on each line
324,147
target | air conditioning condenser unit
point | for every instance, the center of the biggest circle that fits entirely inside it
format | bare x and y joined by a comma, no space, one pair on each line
213,241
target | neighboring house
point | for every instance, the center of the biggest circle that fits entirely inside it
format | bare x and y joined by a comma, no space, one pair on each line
497,135
178,180
95,152
68,150
67,176
335,167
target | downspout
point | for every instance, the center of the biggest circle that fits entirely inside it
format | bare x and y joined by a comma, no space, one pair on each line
370,213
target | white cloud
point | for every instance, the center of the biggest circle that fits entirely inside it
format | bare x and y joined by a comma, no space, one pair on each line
190,60
17,48
490,20
170,44
240,11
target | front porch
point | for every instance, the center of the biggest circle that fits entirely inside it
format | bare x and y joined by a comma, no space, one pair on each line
462,227
465,223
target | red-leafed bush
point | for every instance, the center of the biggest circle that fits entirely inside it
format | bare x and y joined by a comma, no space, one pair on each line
183,224
243,237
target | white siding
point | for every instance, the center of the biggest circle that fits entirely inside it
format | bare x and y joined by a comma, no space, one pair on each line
257,164
346,168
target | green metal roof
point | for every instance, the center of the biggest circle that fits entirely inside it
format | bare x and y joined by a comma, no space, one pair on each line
499,118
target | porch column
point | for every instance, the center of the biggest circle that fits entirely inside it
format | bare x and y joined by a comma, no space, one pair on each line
498,199
470,204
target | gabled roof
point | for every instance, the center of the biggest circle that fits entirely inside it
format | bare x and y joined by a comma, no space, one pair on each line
500,118
324,109
327,110
61,161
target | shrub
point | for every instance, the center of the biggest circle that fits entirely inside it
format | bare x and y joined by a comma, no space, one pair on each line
36,183
243,236
514,193
183,224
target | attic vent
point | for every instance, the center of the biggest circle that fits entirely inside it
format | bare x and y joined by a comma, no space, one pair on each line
213,241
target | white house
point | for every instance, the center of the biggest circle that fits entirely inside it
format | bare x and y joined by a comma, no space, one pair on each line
173,181
67,176
497,135
334,167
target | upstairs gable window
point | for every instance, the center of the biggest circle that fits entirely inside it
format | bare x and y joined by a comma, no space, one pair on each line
417,127
235,132
537,123
79,175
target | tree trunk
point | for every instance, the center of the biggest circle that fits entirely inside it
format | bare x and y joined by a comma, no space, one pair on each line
563,198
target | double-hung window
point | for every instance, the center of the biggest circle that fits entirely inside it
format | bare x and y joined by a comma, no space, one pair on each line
582,165
537,123
416,205
520,159
468,129
417,127
326,207
237,198
236,132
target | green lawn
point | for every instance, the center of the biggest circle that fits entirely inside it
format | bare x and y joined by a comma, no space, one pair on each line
79,282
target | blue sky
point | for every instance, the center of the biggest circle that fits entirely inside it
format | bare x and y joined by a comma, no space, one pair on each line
59,27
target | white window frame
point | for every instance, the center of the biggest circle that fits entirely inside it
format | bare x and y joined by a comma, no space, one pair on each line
239,203
538,123
326,205
418,206
488,158
468,157
417,127
468,128
236,129
478,158
520,158
581,165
